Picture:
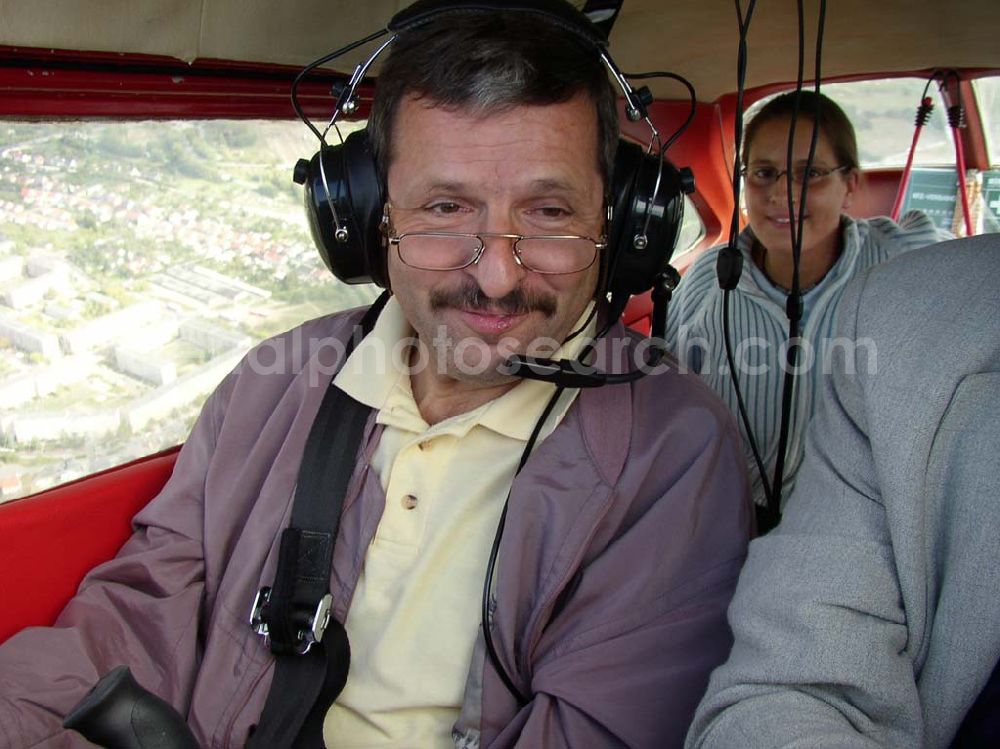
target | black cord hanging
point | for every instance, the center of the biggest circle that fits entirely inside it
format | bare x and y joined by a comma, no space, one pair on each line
729,265
730,260
793,305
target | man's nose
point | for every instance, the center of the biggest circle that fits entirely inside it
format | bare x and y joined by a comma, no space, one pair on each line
498,272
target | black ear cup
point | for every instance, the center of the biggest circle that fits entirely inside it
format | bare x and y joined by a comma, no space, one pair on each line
644,228
343,200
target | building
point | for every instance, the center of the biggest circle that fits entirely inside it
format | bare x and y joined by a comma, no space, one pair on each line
145,365
192,386
11,268
41,381
51,426
33,291
211,337
25,338
109,328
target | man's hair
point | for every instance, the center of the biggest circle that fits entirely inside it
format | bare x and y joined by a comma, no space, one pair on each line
485,63
833,123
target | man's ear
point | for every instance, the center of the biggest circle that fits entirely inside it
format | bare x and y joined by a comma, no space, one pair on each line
853,181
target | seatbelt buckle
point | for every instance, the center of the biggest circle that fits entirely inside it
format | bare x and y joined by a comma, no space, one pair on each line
258,615
317,626
304,638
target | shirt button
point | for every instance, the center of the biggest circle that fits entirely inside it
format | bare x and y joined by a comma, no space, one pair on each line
424,446
409,501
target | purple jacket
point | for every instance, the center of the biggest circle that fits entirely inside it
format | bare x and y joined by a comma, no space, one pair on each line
625,535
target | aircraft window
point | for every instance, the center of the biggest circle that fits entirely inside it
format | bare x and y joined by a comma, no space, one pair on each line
138,262
883,112
988,98
691,233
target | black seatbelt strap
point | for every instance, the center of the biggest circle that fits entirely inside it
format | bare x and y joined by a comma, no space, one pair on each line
312,654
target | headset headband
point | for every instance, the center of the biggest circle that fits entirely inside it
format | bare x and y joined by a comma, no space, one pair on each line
557,12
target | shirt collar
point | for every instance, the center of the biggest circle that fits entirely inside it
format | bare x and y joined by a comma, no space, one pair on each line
376,373
373,368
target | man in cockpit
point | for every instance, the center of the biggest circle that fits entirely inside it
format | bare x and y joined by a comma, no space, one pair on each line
494,134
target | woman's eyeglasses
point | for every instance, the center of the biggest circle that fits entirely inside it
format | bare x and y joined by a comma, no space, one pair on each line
765,176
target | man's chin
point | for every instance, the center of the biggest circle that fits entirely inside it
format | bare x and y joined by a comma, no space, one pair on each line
483,370
489,378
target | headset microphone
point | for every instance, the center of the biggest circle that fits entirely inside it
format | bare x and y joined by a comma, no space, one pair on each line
575,373
572,373
729,267
568,373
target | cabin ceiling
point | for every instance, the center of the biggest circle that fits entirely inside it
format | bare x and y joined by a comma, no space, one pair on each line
695,38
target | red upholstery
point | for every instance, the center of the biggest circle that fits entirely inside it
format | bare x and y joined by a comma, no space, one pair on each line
638,313
49,541
877,193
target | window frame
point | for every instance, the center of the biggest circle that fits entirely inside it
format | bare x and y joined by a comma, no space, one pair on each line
56,84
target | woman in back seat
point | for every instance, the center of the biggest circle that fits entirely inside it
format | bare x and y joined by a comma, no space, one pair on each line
834,246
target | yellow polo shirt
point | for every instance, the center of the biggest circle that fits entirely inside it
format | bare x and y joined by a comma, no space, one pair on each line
415,613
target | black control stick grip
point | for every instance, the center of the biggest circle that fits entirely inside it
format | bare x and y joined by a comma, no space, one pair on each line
119,714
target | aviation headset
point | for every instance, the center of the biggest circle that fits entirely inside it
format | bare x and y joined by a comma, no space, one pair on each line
344,196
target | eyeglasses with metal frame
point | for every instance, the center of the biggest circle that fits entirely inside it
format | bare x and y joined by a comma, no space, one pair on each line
765,176
549,255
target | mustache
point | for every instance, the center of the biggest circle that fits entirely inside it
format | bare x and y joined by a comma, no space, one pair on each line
471,297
